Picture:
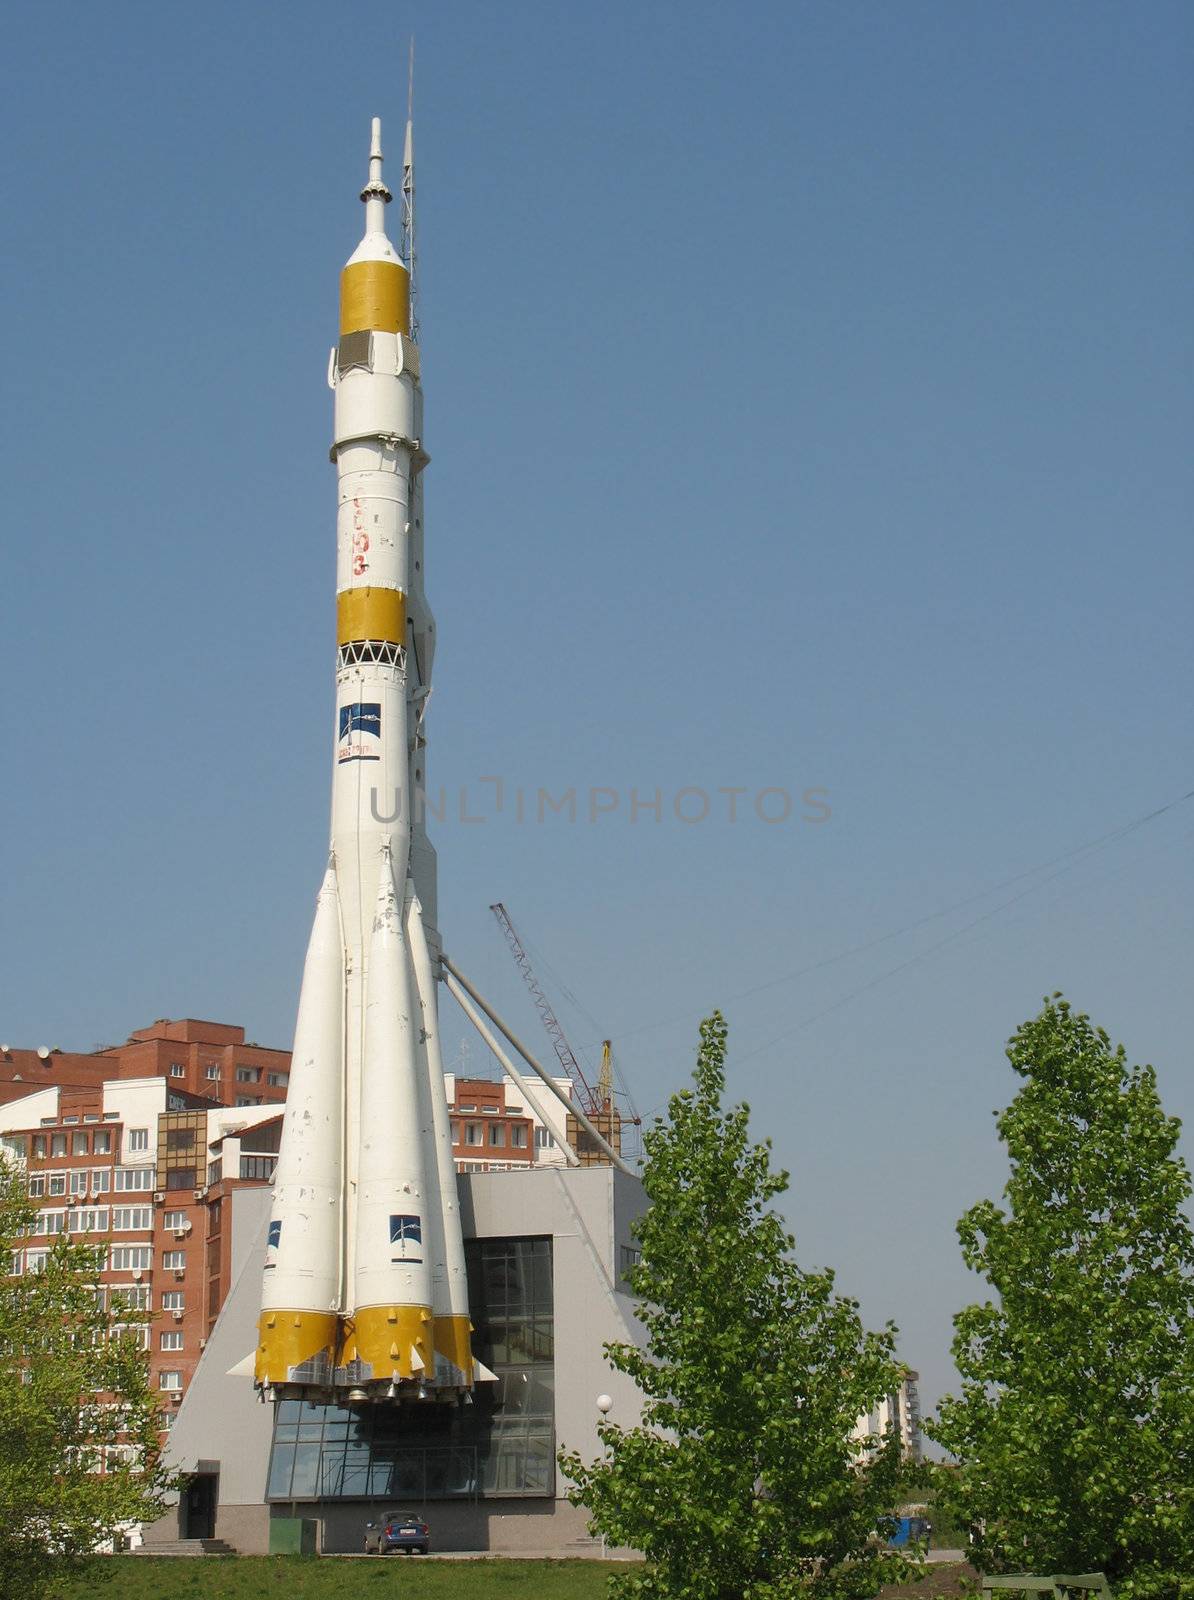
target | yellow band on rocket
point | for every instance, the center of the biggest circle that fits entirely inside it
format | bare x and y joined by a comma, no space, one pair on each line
370,614
375,295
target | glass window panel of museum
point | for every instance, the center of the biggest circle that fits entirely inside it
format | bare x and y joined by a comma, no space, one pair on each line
502,1444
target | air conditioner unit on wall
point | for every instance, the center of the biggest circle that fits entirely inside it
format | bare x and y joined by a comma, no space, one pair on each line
180,1233
179,1274
177,1315
159,1198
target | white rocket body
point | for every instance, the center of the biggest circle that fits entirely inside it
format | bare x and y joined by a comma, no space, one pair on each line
364,1282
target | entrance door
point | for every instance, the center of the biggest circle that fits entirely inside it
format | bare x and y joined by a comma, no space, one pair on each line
199,1506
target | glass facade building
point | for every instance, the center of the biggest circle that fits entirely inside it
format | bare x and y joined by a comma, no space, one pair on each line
501,1444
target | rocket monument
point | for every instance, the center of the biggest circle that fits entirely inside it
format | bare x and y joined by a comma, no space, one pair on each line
364,1295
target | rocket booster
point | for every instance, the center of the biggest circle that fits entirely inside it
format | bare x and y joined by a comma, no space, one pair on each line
364,1287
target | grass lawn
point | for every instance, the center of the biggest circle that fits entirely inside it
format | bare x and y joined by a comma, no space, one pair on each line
309,1578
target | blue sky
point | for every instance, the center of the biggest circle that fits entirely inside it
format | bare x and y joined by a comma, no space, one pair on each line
809,401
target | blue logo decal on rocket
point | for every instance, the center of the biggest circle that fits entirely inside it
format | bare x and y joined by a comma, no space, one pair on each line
272,1239
360,732
406,1231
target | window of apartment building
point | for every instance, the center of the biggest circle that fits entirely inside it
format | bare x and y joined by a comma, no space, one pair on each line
55,1183
101,1180
181,1178
138,1138
131,1219
489,1111
171,1341
35,1260
212,1071
177,1069
80,1144
133,1178
166,1421
92,1219
80,1180
174,1260
468,1108
133,1296
277,1080
180,1139
173,1300
131,1258
139,1331
543,1139
69,1120
48,1222
497,1134
248,1074
245,1100
37,1185
91,1116
14,1143
39,1146
16,1264
174,1219
472,1133
171,1381
101,1142
57,1144
518,1136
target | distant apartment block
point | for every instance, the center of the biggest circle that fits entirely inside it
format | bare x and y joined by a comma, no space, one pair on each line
498,1128
900,1411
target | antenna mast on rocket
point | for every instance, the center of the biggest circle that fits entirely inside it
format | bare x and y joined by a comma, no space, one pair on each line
408,193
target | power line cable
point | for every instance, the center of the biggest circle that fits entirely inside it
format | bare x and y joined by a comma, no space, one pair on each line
1068,856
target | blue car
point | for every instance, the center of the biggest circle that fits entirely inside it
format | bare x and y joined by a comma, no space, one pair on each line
397,1530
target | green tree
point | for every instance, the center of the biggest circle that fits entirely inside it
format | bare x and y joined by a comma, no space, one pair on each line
74,1397
1074,1430
741,1482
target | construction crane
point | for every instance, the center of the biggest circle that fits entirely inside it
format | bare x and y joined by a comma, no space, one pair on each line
605,1083
589,1101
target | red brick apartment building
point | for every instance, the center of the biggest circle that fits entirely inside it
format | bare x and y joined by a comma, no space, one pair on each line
137,1149
496,1128
209,1059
